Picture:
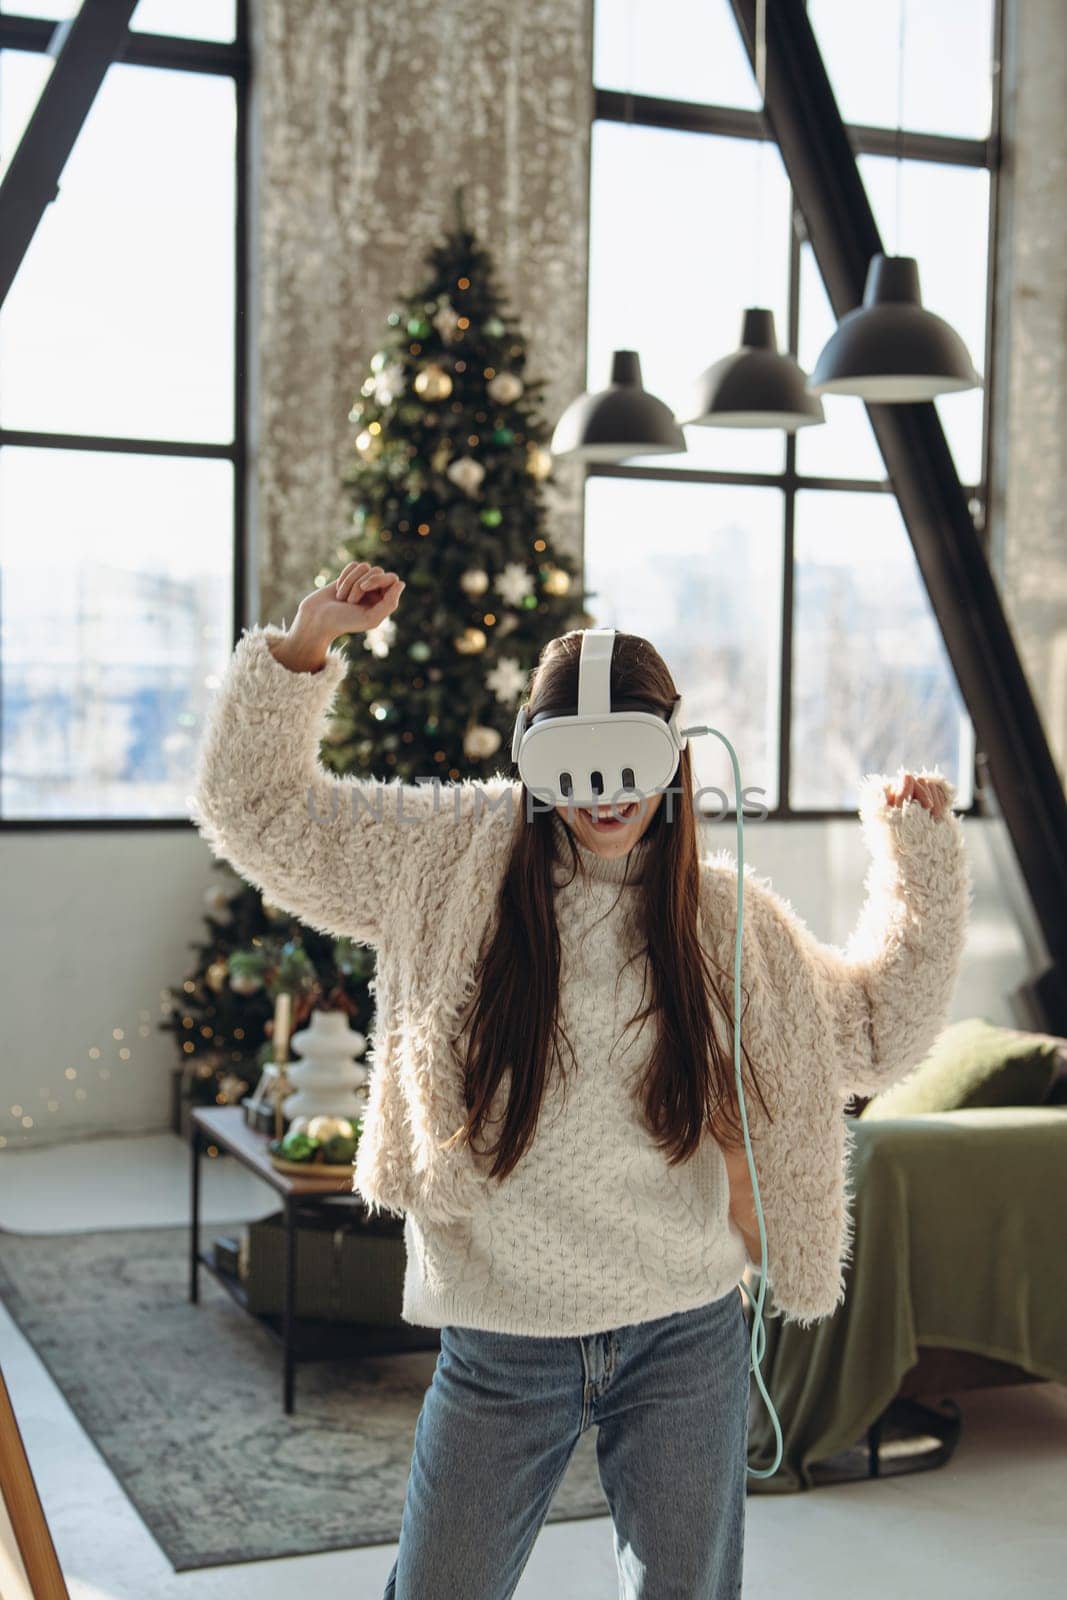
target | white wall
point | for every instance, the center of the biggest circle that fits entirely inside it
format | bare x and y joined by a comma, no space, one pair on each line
95,925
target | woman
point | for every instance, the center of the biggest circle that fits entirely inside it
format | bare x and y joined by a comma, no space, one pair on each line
577,1228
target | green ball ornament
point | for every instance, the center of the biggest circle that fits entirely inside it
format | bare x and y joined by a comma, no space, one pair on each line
530,602
492,518
298,1147
495,328
503,436
419,650
418,327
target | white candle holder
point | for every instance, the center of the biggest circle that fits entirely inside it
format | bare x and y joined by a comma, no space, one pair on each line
328,1080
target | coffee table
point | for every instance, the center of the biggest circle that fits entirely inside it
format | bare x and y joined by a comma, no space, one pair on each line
301,1338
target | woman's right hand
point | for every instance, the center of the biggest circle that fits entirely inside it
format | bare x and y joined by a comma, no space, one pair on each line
358,599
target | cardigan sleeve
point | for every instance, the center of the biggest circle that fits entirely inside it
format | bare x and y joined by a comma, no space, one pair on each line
885,996
338,852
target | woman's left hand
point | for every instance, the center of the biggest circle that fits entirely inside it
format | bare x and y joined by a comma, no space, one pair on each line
929,792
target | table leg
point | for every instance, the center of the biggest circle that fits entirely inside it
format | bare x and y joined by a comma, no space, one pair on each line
194,1243
290,1297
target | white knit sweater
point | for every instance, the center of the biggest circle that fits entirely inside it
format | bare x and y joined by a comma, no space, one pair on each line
592,1229
420,881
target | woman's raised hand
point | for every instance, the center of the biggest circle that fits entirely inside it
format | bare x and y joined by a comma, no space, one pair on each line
929,792
358,599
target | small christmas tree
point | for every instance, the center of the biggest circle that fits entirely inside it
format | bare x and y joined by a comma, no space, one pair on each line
447,481
222,1016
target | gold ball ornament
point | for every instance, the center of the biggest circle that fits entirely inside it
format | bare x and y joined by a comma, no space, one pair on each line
504,388
538,462
324,1127
215,976
432,382
556,581
474,582
480,742
470,642
467,473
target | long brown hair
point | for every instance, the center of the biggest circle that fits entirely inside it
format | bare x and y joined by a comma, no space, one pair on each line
689,1084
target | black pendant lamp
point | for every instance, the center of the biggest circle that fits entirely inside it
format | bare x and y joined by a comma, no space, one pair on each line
620,421
890,349
754,387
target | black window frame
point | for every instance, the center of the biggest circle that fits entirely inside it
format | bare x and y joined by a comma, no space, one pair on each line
176,54
621,105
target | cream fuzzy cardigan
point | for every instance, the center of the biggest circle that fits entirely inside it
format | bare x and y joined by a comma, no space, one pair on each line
414,870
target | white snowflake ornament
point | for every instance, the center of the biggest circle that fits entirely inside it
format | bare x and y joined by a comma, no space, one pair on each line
507,680
388,384
514,583
379,640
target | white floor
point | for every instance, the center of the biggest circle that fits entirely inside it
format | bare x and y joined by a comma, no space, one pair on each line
989,1526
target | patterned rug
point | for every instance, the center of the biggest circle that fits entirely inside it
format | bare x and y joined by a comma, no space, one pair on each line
184,1403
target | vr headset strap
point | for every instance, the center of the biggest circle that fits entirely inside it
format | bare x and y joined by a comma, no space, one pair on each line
594,673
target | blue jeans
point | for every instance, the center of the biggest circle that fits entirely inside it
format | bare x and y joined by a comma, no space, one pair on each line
499,1424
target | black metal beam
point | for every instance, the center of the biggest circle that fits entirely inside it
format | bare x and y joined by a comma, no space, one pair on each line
83,48
732,122
804,119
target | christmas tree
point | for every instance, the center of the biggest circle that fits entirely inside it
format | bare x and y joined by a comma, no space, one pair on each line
447,478
222,1016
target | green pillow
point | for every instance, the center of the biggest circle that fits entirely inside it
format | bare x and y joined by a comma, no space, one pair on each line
975,1063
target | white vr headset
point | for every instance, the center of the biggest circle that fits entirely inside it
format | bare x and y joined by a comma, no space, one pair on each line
598,755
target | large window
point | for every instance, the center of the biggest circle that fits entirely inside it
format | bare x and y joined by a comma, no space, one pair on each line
776,575
121,439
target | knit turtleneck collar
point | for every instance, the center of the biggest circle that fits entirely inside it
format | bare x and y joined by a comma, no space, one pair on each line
597,868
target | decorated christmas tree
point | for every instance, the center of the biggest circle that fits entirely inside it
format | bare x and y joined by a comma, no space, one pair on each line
222,1014
447,478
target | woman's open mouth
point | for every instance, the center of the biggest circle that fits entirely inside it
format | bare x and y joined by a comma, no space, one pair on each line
607,818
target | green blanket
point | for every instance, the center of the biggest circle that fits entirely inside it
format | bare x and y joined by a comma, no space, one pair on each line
958,1242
